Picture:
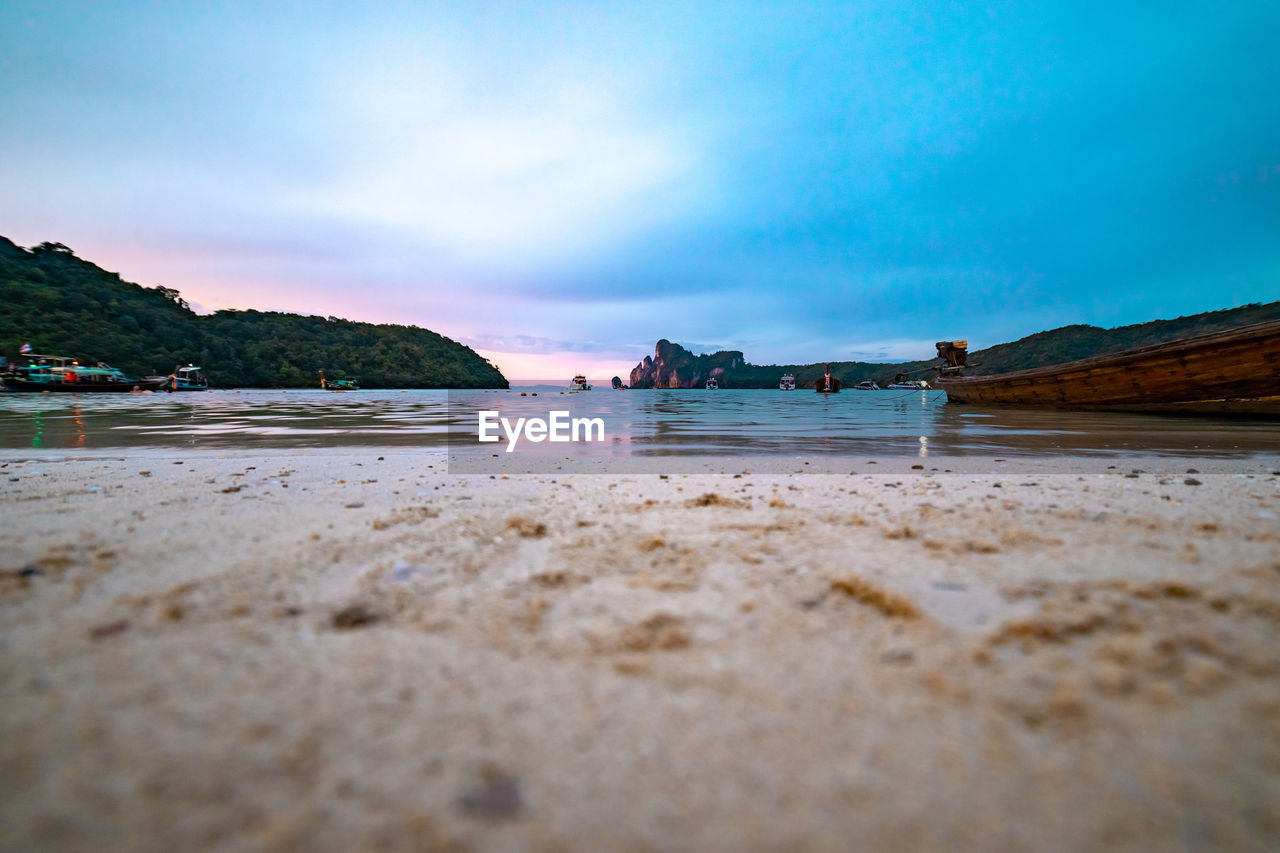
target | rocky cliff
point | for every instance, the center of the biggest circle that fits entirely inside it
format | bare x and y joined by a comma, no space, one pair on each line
673,366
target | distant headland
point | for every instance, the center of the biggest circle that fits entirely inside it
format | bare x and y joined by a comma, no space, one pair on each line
673,366
62,304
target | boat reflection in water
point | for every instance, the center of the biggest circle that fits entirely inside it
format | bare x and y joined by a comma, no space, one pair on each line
644,425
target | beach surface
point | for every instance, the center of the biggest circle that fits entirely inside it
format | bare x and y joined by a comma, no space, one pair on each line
355,649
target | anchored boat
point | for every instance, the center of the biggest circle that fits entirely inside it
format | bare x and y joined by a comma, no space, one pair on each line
60,373
189,378
1227,372
787,382
827,384
338,384
579,383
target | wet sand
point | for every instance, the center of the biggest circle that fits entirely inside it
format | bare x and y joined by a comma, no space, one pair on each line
332,650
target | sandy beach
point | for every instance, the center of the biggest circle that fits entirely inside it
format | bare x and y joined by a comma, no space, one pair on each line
345,650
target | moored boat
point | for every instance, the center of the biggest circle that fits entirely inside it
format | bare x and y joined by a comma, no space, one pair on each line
866,385
1225,372
787,382
713,384
827,384
61,373
189,378
338,384
579,383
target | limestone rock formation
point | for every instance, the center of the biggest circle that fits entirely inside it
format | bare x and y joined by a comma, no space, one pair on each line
673,366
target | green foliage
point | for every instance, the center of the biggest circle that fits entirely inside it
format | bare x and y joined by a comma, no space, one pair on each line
848,372
1067,343
1070,343
692,370
64,305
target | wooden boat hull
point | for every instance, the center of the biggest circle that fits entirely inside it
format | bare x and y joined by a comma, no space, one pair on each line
1231,372
155,384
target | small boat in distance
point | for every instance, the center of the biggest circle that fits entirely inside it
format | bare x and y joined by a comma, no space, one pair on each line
579,383
901,383
827,384
866,385
338,384
1225,372
713,384
60,373
787,382
189,378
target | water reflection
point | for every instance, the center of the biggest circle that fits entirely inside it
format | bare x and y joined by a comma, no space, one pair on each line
638,423
220,419
80,435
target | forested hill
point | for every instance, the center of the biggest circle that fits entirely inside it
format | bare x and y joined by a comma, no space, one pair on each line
64,305
1068,343
673,366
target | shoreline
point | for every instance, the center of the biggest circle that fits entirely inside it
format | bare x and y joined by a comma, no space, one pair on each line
473,463
326,649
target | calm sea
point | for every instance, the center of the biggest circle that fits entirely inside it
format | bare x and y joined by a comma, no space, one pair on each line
638,423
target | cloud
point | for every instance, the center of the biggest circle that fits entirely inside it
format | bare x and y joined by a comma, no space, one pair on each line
901,349
530,344
496,172
552,178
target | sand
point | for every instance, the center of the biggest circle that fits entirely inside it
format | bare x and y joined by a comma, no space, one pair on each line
355,650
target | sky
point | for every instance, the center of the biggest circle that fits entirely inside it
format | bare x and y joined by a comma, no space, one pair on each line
558,185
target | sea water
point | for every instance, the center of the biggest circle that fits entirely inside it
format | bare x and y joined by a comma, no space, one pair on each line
638,423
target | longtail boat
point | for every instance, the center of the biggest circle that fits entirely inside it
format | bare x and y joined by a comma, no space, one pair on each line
189,378
60,373
1236,371
338,384
827,384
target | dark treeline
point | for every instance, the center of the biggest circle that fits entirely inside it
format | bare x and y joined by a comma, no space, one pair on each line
64,305
1069,343
674,366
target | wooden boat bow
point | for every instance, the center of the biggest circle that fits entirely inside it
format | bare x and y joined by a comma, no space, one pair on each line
1236,371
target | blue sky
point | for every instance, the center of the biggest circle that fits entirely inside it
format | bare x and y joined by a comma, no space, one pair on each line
560,184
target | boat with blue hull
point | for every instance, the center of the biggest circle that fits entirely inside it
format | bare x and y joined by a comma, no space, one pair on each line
338,384
189,378
52,373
